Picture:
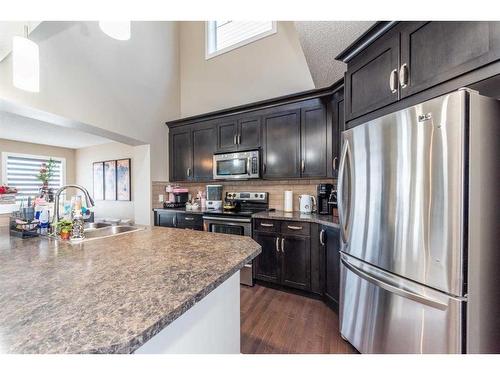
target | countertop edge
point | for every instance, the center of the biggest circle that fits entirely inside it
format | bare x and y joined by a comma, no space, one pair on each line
135,343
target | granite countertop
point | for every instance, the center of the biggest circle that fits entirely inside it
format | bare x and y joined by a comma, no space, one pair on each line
109,295
329,220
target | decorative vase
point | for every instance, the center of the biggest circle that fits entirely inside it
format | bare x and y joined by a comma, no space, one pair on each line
46,192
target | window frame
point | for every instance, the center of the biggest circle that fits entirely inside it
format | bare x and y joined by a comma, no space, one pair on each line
210,29
6,154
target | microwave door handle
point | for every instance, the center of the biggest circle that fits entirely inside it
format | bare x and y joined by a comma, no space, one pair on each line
249,163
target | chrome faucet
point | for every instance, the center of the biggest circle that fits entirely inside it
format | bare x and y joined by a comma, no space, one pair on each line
88,199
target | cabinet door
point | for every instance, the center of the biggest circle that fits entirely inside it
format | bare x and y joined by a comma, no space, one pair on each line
204,146
367,80
281,144
296,262
227,132
266,263
249,133
313,141
180,154
165,219
437,51
337,128
332,266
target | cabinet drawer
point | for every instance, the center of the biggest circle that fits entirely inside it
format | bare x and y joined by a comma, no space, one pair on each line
189,220
263,225
295,227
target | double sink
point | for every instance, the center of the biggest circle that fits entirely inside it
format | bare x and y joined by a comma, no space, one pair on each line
95,231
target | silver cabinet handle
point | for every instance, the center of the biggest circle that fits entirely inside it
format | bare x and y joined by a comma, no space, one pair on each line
393,78
189,218
283,245
277,245
292,227
335,159
266,225
302,166
235,141
239,139
174,221
403,75
321,237
188,172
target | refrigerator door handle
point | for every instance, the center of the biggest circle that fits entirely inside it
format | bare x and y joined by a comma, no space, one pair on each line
385,284
340,192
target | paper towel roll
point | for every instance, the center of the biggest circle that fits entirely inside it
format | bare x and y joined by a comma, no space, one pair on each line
288,202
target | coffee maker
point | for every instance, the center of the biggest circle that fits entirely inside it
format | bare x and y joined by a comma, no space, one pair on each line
324,193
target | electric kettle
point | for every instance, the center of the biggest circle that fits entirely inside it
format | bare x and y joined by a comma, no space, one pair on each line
306,203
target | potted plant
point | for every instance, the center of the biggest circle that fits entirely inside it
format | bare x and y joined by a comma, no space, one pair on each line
64,228
45,174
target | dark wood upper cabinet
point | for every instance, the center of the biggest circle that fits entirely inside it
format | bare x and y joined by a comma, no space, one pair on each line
407,58
331,250
266,265
227,132
296,262
281,152
314,133
434,52
368,77
249,133
180,154
204,146
338,126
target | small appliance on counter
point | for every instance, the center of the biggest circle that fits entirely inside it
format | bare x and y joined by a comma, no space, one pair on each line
307,203
214,197
177,197
324,197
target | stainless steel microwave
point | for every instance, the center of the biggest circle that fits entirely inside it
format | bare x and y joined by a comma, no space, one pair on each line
236,165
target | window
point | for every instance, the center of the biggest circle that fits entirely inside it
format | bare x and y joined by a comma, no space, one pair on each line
20,171
224,36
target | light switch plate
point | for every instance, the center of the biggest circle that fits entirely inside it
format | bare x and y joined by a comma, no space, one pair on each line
160,198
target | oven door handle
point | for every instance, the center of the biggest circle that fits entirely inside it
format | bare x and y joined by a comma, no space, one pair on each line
216,218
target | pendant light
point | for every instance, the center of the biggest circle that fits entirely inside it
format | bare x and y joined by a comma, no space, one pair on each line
25,63
116,29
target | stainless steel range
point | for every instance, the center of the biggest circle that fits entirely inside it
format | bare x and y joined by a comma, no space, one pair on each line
237,220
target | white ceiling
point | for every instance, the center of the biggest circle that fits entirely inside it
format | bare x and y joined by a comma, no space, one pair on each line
23,129
321,41
8,29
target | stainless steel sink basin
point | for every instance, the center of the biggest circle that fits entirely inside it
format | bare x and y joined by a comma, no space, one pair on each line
92,226
110,231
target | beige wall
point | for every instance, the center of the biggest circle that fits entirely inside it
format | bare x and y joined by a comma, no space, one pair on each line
270,67
111,151
41,150
276,189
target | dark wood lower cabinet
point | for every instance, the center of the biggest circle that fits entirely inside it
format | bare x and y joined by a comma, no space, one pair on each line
181,220
296,262
266,264
331,247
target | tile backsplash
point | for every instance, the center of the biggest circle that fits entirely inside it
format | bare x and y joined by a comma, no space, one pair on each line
276,189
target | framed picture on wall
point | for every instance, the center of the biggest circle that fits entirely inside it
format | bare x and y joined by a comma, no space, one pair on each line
98,174
110,180
123,180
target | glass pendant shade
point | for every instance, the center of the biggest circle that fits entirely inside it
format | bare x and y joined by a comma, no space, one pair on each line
25,64
116,29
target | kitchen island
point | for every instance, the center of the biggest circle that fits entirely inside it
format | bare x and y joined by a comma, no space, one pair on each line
157,290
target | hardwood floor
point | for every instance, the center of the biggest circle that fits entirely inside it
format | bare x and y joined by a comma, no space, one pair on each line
273,321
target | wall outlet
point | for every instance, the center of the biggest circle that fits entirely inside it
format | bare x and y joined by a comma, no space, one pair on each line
160,198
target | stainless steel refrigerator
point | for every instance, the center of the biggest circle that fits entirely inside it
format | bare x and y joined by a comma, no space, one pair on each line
420,241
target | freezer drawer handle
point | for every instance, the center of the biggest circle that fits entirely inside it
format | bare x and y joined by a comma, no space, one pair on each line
394,289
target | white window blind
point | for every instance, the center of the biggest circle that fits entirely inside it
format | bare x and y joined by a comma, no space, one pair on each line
21,172
223,36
